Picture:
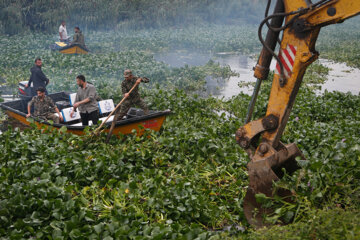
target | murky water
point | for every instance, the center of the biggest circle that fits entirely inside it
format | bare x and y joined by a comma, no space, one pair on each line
341,77
242,65
182,58
7,93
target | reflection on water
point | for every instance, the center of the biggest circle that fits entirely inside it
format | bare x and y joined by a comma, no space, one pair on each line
215,86
341,77
242,65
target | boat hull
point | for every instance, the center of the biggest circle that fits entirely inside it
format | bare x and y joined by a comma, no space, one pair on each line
153,121
74,49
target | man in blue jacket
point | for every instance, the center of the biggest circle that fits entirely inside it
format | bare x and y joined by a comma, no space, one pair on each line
37,78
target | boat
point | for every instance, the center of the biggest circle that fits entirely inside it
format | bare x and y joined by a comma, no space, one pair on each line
69,49
135,118
74,49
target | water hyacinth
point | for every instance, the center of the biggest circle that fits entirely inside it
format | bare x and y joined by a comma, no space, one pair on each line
187,181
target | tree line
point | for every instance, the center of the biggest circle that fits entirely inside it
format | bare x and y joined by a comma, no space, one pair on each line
18,16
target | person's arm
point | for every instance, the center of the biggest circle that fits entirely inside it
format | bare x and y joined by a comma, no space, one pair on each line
145,80
91,96
60,32
75,39
53,106
77,99
59,113
76,105
124,89
72,111
42,76
29,82
29,108
137,82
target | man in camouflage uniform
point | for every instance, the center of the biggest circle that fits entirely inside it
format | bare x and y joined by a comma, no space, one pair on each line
78,37
134,97
44,107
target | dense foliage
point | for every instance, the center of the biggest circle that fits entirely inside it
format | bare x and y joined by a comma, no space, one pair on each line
342,46
17,16
186,181
111,53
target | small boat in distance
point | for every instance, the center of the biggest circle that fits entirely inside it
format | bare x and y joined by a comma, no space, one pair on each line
135,119
69,48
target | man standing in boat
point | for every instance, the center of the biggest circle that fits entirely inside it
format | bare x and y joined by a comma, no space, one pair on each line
86,101
78,37
63,33
37,78
44,107
134,97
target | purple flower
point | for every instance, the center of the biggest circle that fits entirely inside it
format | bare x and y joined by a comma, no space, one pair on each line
308,184
343,140
70,71
297,119
38,178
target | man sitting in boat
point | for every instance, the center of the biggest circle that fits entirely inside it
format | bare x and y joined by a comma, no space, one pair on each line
134,97
78,38
44,107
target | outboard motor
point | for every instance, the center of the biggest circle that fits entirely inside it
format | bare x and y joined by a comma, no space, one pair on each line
24,93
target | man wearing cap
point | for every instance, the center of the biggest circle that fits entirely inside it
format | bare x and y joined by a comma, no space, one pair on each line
86,101
134,97
44,107
37,78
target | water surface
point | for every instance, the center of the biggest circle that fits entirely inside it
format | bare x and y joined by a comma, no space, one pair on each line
341,77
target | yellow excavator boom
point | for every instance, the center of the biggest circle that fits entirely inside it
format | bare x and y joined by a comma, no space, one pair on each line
300,21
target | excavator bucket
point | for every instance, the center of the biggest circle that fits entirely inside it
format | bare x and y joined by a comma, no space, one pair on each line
262,174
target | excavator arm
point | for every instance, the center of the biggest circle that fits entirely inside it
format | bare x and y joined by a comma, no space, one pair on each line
300,22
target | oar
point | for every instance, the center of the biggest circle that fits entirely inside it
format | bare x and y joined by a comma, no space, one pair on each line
114,121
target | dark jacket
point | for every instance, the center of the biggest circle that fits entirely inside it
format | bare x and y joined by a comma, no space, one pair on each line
79,39
38,79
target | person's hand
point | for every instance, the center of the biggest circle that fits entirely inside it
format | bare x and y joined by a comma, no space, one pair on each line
61,118
72,113
126,95
138,81
28,115
76,105
26,86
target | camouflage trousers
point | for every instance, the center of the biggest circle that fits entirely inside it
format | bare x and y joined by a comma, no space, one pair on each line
127,104
51,116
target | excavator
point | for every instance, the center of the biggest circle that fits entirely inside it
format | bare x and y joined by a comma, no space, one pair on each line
297,23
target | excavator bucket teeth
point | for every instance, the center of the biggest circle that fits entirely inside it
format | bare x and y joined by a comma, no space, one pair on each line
262,174
261,178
